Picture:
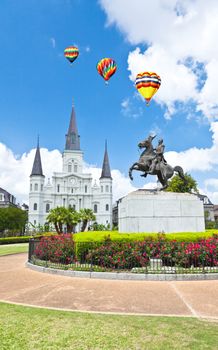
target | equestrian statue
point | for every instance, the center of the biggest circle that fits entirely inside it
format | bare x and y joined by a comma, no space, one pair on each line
152,162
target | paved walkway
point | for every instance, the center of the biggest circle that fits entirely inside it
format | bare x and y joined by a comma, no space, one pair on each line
19,284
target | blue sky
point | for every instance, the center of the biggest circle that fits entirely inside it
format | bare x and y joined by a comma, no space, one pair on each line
38,84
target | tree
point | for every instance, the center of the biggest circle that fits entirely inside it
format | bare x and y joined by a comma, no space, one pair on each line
13,219
63,216
56,217
176,184
86,215
72,219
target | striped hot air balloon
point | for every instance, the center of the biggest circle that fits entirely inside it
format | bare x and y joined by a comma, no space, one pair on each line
147,83
106,67
71,53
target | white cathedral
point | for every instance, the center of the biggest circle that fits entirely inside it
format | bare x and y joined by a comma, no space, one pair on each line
71,187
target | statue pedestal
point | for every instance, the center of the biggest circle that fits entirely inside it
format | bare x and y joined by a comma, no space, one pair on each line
149,211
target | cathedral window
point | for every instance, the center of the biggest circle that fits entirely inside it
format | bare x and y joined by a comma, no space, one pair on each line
35,206
85,188
107,207
36,187
75,168
71,190
41,187
64,202
69,168
58,188
95,208
101,188
31,187
47,207
107,188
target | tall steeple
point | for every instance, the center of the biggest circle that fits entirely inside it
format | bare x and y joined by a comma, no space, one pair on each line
72,137
106,172
37,164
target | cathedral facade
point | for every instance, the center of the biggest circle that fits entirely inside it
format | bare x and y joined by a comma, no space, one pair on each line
71,187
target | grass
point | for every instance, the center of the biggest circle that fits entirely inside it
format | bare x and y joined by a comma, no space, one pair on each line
26,328
13,248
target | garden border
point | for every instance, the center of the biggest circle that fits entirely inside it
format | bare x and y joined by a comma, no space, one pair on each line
125,275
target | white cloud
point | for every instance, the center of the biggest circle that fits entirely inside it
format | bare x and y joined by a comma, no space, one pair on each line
53,42
180,35
129,109
15,172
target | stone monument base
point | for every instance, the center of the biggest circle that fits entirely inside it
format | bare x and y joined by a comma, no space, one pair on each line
155,211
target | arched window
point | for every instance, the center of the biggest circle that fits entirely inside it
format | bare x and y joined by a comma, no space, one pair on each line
85,188
107,188
41,187
31,187
69,167
58,188
36,187
95,208
47,207
107,207
75,168
35,206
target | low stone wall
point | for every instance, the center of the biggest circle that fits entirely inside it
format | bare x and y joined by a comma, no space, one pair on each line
125,275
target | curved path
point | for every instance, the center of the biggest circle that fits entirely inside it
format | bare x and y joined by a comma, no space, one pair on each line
19,284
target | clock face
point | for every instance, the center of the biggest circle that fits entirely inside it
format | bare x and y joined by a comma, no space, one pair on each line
73,181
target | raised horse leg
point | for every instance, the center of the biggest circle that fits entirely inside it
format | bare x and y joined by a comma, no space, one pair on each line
135,166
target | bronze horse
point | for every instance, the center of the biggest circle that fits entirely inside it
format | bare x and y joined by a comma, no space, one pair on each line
163,170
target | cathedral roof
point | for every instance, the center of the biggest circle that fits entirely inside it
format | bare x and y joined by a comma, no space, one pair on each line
37,164
72,137
106,172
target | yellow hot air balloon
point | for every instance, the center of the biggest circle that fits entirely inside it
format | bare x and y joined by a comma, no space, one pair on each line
147,83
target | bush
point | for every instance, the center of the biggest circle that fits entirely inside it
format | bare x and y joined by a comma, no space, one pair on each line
57,249
100,236
119,255
22,239
137,254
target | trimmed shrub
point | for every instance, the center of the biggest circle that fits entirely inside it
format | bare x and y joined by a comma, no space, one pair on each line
57,249
22,239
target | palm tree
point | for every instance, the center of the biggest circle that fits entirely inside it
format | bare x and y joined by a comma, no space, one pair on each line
56,217
72,218
86,215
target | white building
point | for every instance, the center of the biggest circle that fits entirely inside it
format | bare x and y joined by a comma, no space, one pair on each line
71,187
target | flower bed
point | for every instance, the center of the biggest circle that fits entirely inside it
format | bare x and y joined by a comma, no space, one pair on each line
129,255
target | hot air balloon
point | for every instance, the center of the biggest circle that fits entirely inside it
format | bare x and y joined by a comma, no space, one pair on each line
147,83
106,67
71,53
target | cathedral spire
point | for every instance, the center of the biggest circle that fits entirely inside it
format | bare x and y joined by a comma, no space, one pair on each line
37,164
72,137
106,172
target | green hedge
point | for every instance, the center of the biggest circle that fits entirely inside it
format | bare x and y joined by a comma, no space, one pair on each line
22,239
100,236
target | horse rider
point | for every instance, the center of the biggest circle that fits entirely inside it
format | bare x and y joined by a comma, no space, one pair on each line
158,158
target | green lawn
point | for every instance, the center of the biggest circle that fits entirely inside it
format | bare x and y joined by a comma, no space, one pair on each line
26,328
13,248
